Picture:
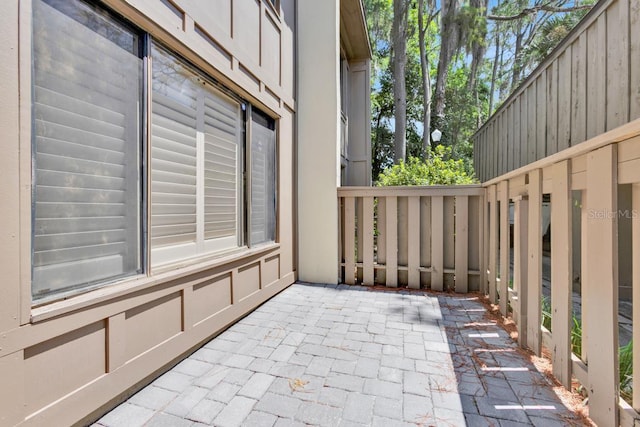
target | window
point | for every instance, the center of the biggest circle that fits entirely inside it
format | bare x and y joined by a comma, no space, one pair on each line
97,206
196,166
87,76
263,178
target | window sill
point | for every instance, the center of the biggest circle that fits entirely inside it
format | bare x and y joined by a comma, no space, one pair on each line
139,283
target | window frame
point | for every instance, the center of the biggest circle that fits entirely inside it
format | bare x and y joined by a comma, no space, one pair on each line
144,277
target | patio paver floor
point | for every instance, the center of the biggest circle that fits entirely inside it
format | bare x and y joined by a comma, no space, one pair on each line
348,356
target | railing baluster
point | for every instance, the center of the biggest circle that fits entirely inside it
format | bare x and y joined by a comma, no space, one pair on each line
601,286
520,264
367,244
392,242
437,243
349,240
462,244
381,241
504,246
561,271
414,242
493,243
534,267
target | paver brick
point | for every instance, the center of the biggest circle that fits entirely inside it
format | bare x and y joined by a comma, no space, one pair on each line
318,415
235,412
358,408
281,406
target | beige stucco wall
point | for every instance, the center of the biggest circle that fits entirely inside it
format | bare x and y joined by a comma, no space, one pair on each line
318,139
71,360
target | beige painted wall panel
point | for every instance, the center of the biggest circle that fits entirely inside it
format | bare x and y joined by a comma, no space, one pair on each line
12,395
150,324
61,365
270,45
9,165
246,282
215,18
425,239
318,141
288,46
210,297
246,27
286,228
270,271
359,116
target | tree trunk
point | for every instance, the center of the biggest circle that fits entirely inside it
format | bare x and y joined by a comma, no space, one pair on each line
399,40
478,48
449,38
494,73
426,81
517,60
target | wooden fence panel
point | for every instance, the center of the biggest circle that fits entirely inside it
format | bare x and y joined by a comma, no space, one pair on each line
349,239
617,63
392,242
541,116
578,90
367,244
596,77
437,243
462,245
414,242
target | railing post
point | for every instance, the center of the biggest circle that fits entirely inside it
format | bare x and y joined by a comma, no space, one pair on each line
366,223
561,271
462,244
534,267
601,286
504,246
483,243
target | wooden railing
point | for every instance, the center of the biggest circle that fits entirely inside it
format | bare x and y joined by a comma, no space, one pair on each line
420,237
599,180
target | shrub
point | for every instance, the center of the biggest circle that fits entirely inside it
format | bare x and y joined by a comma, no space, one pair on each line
438,169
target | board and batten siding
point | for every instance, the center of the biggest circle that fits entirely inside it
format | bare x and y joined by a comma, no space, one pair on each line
68,362
589,84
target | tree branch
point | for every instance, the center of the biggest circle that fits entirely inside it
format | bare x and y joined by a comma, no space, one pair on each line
535,9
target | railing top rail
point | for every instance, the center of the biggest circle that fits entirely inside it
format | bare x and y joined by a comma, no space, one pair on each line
619,134
434,190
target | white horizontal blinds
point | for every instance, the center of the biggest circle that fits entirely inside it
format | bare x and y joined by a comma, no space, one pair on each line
263,179
86,113
194,170
222,135
173,153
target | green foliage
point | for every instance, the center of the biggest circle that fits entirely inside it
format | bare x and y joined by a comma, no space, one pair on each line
438,169
625,353
626,371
